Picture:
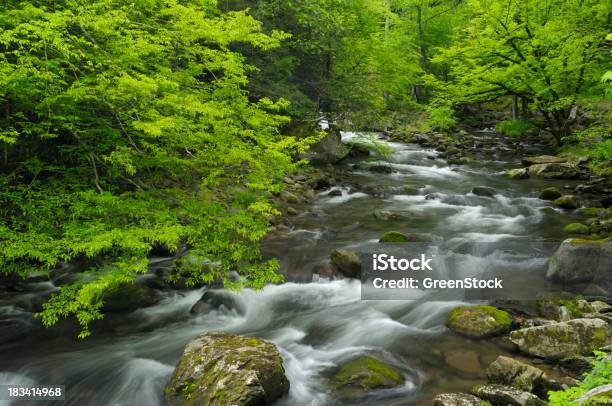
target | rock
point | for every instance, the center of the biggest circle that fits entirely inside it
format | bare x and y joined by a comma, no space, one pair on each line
457,399
463,360
569,202
386,169
434,196
365,374
559,340
324,270
217,300
508,371
601,307
550,193
576,228
129,297
346,262
289,197
328,150
542,159
577,364
479,321
554,171
292,211
581,261
394,237
335,192
484,191
387,215
520,173
227,369
502,395
599,396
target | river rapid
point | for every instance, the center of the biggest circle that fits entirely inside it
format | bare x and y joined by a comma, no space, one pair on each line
316,323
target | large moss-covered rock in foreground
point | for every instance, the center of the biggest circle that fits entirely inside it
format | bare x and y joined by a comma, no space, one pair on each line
458,399
559,340
227,369
365,374
479,321
507,396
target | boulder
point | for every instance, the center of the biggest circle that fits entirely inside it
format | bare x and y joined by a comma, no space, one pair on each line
576,228
289,197
550,193
328,150
457,399
560,340
386,169
479,321
335,192
554,171
502,395
599,396
520,173
542,159
346,262
393,237
600,307
569,202
217,300
578,261
365,374
577,365
227,369
484,191
508,371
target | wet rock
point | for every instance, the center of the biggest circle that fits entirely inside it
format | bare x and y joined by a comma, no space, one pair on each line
346,262
385,169
335,192
551,193
542,159
227,369
365,374
328,150
457,399
388,215
217,300
577,365
289,197
484,191
503,395
559,340
569,202
508,371
479,321
325,270
463,360
394,237
599,396
554,171
520,173
129,297
292,211
576,228
434,196
581,261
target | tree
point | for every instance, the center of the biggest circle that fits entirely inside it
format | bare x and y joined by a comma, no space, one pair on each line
548,53
126,126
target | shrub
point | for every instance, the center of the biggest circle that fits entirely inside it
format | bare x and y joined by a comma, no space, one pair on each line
514,128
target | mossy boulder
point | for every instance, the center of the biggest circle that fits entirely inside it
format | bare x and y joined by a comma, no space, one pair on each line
578,260
550,193
520,173
554,171
347,262
508,371
458,399
227,369
394,237
569,202
506,395
559,340
576,228
364,374
479,321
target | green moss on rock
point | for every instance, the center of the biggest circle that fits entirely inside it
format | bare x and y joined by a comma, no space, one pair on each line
394,237
479,321
576,228
367,373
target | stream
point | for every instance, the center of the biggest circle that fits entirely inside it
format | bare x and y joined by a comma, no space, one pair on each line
316,323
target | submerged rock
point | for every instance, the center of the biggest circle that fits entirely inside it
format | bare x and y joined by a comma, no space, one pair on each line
569,202
479,321
484,191
458,399
129,297
502,395
346,262
550,193
365,374
227,369
216,300
387,215
381,169
560,340
394,237
579,260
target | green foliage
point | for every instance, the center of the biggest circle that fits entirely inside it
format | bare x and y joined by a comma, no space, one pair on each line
440,117
514,128
126,125
601,374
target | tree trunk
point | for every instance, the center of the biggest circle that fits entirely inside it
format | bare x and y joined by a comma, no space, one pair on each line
524,107
515,107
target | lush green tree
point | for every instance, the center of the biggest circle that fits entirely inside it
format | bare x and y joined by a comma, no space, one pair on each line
124,126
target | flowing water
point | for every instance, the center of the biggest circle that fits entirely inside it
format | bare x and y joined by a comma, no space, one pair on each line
316,323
